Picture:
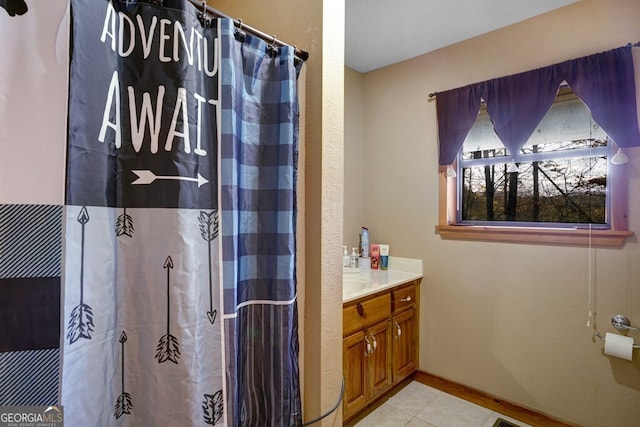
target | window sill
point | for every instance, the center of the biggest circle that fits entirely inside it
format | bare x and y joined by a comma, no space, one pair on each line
556,236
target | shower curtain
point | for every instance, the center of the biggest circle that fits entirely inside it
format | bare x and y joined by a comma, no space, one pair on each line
179,286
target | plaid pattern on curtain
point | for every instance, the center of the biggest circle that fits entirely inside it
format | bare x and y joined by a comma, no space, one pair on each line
258,191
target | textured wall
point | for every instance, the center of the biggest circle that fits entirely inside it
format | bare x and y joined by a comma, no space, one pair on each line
354,186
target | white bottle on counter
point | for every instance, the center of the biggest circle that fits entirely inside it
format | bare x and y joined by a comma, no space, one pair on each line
353,259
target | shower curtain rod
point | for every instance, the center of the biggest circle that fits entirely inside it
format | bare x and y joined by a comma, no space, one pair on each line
303,55
636,44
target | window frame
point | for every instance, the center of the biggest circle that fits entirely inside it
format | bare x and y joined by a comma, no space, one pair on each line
448,228
615,235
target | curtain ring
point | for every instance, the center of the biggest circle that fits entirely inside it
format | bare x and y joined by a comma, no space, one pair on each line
238,33
272,49
204,7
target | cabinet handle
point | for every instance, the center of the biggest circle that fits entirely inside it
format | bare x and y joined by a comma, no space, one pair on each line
407,299
360,309
375,343
398,331
368,351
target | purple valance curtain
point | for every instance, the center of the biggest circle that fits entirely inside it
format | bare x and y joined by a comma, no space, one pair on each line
457,110
516,104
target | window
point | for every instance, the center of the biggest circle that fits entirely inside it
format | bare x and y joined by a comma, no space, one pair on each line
557,188
558,178
549,176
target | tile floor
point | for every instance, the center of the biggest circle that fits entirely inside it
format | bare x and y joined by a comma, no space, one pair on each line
418,405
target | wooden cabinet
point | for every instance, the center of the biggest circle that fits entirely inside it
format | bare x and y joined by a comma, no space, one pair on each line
355,373
366,351
380,335
405,332
379,358
367,366
405,345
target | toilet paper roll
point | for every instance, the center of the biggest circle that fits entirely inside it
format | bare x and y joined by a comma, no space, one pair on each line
618,346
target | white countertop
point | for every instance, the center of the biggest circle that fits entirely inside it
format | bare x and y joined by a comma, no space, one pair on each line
360,283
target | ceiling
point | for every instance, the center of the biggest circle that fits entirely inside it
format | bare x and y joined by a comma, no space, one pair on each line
380,33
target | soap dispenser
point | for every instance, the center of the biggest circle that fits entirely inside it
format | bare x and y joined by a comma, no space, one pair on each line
353,259
345,257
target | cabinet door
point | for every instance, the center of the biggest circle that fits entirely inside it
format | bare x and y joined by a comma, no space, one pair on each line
405,344
379,359
354,358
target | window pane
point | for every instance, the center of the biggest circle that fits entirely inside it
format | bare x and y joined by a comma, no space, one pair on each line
568,119
482,137
568,125
562,171
565,191
565,145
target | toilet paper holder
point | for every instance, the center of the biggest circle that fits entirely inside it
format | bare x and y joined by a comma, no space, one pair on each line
621,323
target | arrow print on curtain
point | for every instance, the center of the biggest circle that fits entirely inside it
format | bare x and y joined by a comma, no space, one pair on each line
209,231
124,224
81,320
145,176
168,347
123,404
14,7
213,407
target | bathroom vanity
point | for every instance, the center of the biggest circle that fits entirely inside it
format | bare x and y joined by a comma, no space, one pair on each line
380,334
